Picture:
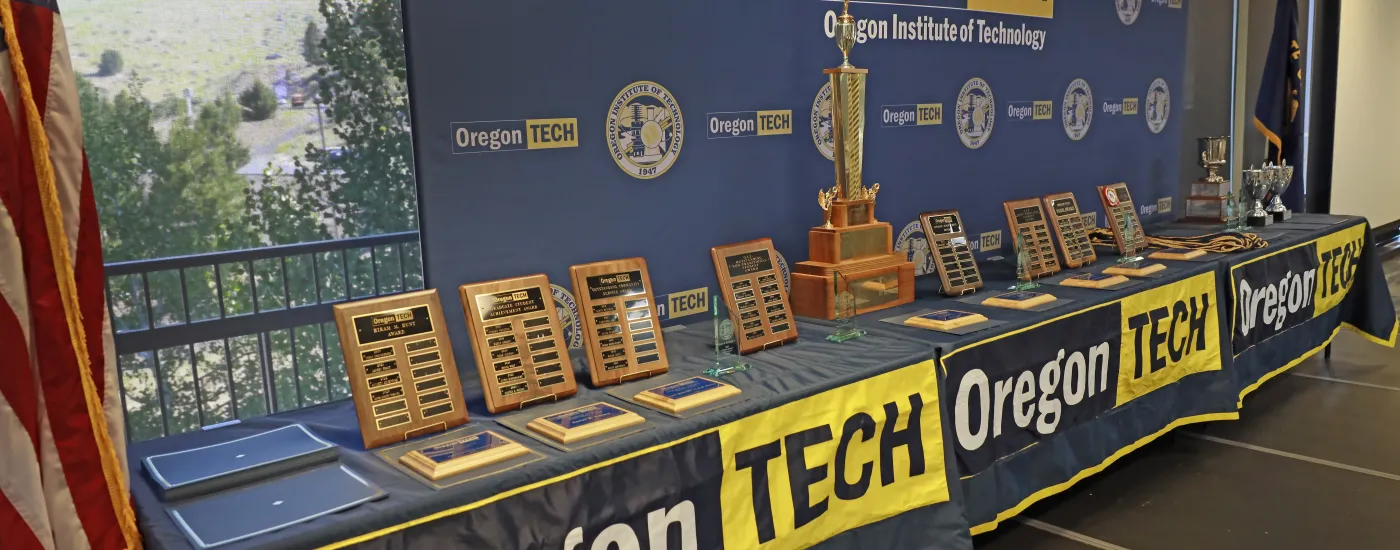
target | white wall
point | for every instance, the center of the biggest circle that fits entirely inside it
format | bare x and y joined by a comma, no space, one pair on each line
1364,177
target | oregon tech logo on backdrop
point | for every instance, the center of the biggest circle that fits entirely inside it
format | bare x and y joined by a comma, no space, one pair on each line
821,123
1128,10
645,129
976,112
1158,105
568,316
1077,110
914,244
783,267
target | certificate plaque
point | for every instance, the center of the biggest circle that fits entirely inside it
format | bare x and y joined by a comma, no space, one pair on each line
584,422
520,350
1019,300
947,240
460,455
403,376
1029,228
685,394
1069,227
754,294
945,319
1121,214
621,330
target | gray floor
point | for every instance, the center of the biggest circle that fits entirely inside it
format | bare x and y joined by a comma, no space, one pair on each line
1313,463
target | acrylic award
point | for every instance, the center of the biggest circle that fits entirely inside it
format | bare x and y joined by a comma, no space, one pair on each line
845,307
1024,272
726,348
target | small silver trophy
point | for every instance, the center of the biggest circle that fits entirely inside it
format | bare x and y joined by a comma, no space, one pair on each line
1283,175
1256,187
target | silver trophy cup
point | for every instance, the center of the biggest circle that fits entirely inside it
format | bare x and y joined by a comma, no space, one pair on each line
1283,175
1256,186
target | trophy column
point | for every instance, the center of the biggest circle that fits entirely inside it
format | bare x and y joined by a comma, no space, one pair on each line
852,254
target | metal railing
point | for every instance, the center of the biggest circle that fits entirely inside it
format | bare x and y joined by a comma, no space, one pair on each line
209,338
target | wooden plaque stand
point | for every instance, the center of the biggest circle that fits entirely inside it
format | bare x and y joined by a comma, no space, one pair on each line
621,330
403,376
947,241
866,259
519,347
1027,222
1118,207
754,294
1068,225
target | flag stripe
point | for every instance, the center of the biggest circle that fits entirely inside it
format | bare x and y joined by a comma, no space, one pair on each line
16,378
74,409
19,535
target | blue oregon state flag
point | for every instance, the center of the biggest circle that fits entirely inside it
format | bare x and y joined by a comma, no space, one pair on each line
1280,97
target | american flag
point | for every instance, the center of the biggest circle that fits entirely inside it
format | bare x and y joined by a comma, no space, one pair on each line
63,478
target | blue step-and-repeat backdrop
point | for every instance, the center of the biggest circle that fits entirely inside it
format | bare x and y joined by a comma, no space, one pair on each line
550,133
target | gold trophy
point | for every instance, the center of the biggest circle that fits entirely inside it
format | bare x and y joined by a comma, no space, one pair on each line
850,240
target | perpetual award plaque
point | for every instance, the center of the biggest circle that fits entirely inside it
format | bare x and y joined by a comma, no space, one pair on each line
850,241
620,327
520,350
1028,227
1068,224
403,376
1122,218
754,295
947,240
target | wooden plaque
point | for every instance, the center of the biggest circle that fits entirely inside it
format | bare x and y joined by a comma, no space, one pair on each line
460,455
947,241
687,394
1019,300
402,373
1118,208
753,291
520,350
617,311
1069,227
1027,221
1095,280
945,319
584,422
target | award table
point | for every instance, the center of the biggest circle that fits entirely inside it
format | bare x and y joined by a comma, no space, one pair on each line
819,445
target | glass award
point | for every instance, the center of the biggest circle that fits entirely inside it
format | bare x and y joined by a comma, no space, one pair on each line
1023,266
726,359
1130,241
844,302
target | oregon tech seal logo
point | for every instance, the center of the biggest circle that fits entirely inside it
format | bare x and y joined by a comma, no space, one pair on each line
1159,105
1128,10
976,111
645,129
783,267
1077,110
914,244
568,316
821,123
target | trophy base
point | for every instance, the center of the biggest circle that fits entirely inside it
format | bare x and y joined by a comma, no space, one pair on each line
1261,221
876,283
1283,215
845,335
847,213
851,243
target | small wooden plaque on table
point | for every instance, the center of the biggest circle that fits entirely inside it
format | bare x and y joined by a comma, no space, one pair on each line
1068,224
947,242
1019,300
753,291
1177,254
460,455
584,422
686,394
1094,280
945,319
519,347
620,327
1134,269
1028,227
403,376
